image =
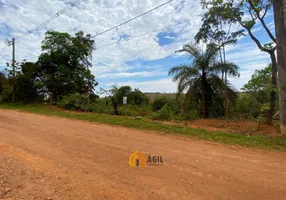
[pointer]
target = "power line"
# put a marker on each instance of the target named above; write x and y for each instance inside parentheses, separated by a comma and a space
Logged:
(183, 22)
(131, 38)
(114, 27)
(29, 58)
(3, 51)
(134, 37)
(129, 21)
(4, 58)
(66, 9)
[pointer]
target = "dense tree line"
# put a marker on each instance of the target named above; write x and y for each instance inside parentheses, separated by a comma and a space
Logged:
(63, 68)
(62, 75)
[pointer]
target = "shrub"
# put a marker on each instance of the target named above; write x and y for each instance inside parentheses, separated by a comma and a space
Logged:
(247, 107)
(159, 103)
(138, 98)
(145, 110)
(128, 110)
(190, 115)
(132, 110)
(175, 106)
(102, 106)
(165, 113)
(6, 95)
(75, 101)
(2, 81)
(107, 109)
(25, 90)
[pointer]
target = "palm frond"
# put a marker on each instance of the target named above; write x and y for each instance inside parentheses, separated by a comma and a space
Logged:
(219, 85)
(232, 69)
(192, 49)
(183, 72)
(178, 69)
(211, 53)
(216, 68)
(185, 83)
(228, 67)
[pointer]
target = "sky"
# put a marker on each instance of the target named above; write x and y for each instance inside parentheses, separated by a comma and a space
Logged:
(142, 62)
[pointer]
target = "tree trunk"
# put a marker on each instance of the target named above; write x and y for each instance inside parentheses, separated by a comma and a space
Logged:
(226, 98)
(51, 98)
(280, 27)
(270, 114)
(204, 95)
(187, 100)
(225, 79)
(115, 108)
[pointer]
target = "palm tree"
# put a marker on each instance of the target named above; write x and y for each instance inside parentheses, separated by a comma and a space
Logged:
(201, 79)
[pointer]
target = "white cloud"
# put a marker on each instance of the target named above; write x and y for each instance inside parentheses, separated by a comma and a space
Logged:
(132, 74)
(94, 16)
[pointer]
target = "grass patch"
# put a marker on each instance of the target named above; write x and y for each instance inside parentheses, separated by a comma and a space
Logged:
(263, 142)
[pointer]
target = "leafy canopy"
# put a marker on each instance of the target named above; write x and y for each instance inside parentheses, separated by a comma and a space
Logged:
(260, 80)
(65, 62)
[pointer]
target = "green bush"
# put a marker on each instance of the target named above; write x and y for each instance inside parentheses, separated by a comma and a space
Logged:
(159, 103)
(132, 110)
(190, 115)
(3, 79)
(145, 110)
(247, 107)
(164, 114)
(6, 95)
(175, 106)
(75, 101)
(128, 110)
(103, 105)
(138, 98)
(25, 90)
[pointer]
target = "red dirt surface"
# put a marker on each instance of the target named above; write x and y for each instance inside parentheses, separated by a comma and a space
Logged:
(60, 159)
(241, 127)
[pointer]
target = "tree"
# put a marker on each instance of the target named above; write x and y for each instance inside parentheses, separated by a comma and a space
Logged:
(25, 84)
(201, 78)
(117, 96)
(2, 81)
(217, 29)
(138, 98)
(64, 64)
(135, 97)
(280, 27)
(258, 91)
(260, 80)
(235, 11)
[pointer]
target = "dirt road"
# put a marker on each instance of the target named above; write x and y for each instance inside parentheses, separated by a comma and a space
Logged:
(54, 158)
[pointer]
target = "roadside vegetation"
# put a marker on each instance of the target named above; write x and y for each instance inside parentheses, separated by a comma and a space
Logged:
(62, 77)
(263, 142)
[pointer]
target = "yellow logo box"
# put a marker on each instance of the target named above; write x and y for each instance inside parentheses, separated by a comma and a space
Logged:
(140, 159)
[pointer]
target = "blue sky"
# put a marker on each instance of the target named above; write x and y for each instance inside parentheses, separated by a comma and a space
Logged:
(142, 62)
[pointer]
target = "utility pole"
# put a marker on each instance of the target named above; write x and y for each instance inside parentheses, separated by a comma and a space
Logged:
(13, 66)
